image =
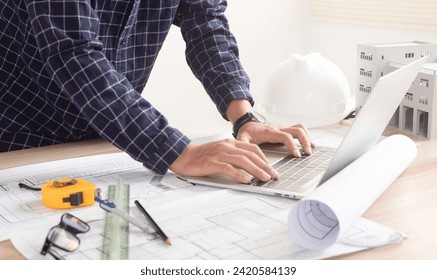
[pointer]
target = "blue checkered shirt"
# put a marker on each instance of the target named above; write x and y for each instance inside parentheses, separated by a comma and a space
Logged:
(73, 70)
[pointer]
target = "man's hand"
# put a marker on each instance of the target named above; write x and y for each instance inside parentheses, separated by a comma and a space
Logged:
(241, 158)
(228, 157)
(258, 133)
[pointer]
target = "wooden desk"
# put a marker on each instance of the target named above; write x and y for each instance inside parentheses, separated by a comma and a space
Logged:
(409, 204)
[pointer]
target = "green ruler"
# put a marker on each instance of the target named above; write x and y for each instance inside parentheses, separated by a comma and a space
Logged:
(116, 232)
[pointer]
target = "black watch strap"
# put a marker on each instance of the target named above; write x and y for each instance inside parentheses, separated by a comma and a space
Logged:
(248, 117)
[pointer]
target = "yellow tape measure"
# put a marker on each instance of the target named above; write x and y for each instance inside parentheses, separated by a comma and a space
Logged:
(68, 193)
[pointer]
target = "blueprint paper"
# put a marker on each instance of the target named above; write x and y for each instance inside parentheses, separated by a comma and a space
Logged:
(322, 218)
(221, 224)
(19, 205)
(202, 222)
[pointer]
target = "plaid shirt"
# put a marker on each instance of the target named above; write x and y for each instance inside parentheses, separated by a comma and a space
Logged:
(75, 69)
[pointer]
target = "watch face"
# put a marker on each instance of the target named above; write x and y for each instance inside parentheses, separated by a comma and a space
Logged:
(259, 117)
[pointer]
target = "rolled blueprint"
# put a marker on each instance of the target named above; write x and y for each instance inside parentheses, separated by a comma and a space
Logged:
(319, 220)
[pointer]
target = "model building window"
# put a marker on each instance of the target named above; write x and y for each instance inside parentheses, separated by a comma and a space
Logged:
(365, 89)
(424, 83)
(409, 96)
(366, 56)
(423, 100)
(367, 73)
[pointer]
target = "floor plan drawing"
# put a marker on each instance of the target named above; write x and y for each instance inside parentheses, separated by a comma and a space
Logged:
(202, 222)
(19, 204)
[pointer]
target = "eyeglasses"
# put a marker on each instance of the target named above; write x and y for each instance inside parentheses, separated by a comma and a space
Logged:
(64, 236)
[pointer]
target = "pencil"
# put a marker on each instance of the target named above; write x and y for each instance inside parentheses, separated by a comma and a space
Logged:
(153, 223)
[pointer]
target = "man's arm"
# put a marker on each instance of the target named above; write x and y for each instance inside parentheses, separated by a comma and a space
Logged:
(212, 54)
(66, 33)
(212, 51)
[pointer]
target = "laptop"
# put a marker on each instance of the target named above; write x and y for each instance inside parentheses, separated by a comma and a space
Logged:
(298, 177)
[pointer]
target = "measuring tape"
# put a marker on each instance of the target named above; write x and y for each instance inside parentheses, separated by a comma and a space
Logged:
(67, 193)
(116, 232)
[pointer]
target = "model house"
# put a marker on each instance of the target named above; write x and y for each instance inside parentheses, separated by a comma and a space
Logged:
(415, 113)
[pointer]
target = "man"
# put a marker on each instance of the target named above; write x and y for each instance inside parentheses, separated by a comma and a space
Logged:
(75, 69)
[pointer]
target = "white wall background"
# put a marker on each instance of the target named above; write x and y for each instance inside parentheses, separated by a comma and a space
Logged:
(267, 33)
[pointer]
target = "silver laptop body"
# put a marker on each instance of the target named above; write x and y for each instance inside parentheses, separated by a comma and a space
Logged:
(300, 176)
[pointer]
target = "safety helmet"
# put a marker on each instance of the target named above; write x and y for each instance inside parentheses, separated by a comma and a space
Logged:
(307, 89)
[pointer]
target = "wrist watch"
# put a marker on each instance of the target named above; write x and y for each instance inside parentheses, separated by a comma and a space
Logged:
(248, 117)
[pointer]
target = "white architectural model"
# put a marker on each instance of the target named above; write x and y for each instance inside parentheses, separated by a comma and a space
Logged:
(415, 113)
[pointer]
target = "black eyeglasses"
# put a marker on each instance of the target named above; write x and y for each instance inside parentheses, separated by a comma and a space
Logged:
(64, 236)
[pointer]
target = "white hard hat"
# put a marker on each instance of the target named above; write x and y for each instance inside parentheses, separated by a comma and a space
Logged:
(307, 89)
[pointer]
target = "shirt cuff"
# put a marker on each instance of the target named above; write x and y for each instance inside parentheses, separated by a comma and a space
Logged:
(234, 92)
(167, 152)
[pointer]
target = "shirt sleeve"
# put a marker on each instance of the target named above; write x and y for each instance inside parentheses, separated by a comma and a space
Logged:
(212, 52)
(72, 54)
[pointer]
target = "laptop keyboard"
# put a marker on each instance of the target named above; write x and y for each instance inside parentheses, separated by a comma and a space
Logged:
(299, 174)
